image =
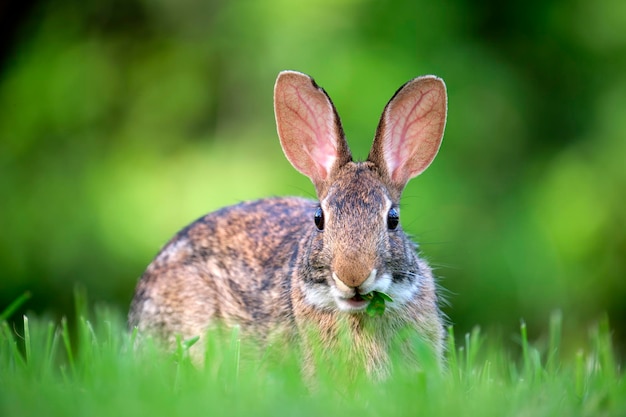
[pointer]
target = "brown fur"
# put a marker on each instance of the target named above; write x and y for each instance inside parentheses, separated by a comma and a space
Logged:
(265, 266)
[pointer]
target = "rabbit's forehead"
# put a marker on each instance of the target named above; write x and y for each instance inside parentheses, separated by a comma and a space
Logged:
(359, 194)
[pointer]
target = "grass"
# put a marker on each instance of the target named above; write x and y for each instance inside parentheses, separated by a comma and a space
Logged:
(90, 368)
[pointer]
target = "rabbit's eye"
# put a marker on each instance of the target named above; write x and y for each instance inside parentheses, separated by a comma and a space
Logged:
(393, 218)
(319, 218)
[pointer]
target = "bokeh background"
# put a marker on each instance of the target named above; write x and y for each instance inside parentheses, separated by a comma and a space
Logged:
(123, 120)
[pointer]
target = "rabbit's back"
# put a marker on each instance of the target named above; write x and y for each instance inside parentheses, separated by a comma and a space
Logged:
(232, 266)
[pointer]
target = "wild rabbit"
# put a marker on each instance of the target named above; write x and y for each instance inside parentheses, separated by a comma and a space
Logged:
(304, 268)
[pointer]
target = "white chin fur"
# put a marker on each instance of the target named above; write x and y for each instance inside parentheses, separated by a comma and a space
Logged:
(350, 307)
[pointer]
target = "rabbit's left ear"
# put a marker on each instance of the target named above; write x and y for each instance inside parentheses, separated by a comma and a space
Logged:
(309, 128)
(410, 130)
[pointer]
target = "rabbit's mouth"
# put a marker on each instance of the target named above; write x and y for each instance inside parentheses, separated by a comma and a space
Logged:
(357, 298)
(357, 302)
(350, 299)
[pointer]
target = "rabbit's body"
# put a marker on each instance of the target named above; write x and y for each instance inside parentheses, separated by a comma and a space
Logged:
(210, 271)
(296, 268)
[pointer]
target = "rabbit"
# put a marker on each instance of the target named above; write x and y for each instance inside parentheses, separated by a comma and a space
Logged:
(300, 268)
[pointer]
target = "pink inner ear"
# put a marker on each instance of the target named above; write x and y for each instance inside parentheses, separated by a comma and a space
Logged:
(414, 124)
(316, 130)
(306, 126)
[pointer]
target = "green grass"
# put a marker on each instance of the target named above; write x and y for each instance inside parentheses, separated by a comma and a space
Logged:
(90, 368)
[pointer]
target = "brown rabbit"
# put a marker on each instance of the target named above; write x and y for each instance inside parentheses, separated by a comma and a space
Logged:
(299, 267)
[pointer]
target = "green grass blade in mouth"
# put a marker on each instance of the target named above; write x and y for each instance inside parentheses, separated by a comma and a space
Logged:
(376, 306)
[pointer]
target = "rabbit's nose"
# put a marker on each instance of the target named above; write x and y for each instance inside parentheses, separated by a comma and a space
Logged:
(348, 279)
(352, 267)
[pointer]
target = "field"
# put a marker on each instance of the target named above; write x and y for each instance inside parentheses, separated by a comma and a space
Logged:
(90, 368)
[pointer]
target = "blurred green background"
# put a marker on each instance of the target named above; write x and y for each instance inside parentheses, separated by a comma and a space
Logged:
(122, 121)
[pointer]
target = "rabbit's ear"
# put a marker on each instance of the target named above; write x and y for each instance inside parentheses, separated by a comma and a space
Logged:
(410, 130)
(308, 126)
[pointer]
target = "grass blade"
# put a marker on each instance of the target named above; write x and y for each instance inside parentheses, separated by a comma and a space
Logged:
(552, 363)
(14, 351)
(65, 334)
(453, 361)
(579, 376)
(52, 341)
(27, 341)
(14, 306)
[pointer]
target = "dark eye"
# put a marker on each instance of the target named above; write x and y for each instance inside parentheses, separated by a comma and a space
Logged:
(319, 218)
(393, 218)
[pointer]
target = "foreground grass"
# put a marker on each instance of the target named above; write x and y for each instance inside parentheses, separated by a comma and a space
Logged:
(48, 369)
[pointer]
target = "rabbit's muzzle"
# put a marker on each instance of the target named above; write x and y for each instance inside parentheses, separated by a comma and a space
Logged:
(350, 297)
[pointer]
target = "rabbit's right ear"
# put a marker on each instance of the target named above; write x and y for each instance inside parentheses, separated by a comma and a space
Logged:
(410, 130)
(309, 128)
